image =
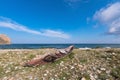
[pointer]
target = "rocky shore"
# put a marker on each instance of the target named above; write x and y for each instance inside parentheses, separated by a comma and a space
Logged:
(4, 39)
(89, 64)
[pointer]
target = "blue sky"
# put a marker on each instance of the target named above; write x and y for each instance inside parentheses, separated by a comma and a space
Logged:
(60, 21)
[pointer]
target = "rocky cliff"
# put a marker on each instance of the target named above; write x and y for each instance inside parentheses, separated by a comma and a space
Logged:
(4, 39)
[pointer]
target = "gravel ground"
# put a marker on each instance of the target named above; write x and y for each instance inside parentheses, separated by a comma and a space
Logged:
(90, 64)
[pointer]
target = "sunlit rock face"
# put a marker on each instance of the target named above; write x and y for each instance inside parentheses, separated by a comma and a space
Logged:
(4, 39)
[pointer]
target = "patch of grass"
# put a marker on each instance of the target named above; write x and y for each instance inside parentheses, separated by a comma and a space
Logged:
(64, 76)
(1, 71)
(86, 75)
(110, 51)
(71, 55)
(103, 76)
(66, 58)
(31, 56)
(83, 60)
(59, 61)
(116, 73)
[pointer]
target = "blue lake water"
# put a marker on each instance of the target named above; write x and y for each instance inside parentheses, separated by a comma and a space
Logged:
(38, 46)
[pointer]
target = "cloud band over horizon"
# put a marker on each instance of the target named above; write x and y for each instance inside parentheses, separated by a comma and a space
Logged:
(8, 23)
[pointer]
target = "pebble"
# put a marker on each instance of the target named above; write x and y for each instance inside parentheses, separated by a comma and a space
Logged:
(80, 66)
(47, 71)
(55, 75)
(5, 78)
(52, 79)
(108, 72)
(11, 78)
(75, 64)
(61, 64)
(102, 69)
(64, 78)
(113, 53)
(99, 71)
(72, 67)
(7, 71)
(92, 77)
(96, 76)
(94, 68)
(45, 74)
(30, 77)
(83, 78)
(16, 68)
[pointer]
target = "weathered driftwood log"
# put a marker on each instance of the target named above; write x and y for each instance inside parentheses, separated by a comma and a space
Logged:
(49, 57)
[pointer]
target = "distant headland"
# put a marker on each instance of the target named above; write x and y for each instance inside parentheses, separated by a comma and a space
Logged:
(4, 39)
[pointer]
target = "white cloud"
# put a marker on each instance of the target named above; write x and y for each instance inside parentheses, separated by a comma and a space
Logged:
(110, 17)
(72, 1)
(8, 23)
(75, 3)
(55, 34)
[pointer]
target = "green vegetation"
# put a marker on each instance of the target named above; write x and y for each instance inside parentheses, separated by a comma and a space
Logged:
(31, 56)
(116, 72)
(97, 64)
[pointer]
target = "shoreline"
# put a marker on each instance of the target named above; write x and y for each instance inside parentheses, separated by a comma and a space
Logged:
(52, 49)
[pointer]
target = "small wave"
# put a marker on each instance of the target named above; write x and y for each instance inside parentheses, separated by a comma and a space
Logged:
(86, 48)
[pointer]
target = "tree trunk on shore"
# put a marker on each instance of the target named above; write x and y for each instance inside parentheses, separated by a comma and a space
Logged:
(49, 57)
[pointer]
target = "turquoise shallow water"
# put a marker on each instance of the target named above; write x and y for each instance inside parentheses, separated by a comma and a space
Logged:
(37, 46)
